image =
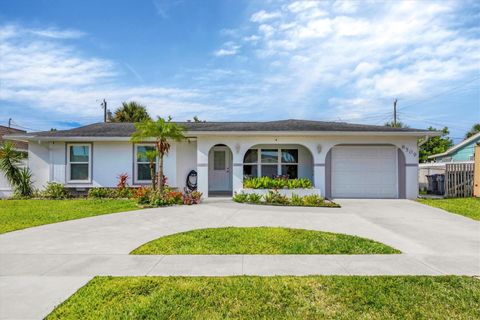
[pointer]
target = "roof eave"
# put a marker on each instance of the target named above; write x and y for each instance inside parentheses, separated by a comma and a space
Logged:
(418, 134)
(319, 133)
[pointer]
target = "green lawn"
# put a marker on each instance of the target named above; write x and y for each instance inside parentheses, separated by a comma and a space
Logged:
(468, 207)
(261, 240)
(313, 297)
(21, 214)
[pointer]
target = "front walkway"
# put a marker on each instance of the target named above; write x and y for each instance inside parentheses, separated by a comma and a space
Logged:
(42, 266)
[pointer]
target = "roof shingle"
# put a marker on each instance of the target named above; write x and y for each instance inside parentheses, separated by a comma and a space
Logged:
(102, 129)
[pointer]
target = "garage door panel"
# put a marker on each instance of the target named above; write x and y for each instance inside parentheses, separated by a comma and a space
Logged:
(364, 172)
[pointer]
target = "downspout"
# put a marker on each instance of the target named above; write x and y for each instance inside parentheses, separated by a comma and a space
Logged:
(51, 165)
(423, 141)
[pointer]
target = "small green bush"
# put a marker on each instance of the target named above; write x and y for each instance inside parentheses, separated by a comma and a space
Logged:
(99, 193)
(296, 200)
(193, 197)
(240, 197)
(274, 197)
(313, 200)
(123, 193)
(142, 195)
(55, 191)
(168, 197)
(159, 200)
(277, 183)
(254, 198)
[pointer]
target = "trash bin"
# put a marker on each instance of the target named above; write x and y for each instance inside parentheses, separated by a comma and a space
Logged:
(432, 187)
(440, 184)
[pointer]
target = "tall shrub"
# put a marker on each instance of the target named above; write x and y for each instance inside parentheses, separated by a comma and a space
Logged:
(23, 188)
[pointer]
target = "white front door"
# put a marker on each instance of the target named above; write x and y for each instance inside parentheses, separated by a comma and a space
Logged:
(219, 169)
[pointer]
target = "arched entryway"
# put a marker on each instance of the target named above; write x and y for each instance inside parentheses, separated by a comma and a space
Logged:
(220, 171)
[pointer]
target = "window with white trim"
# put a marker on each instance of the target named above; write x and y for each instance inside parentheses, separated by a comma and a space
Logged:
(142, 164)
(270, 162)
(79, 160)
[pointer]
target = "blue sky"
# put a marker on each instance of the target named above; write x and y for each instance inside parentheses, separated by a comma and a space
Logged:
(241, 60)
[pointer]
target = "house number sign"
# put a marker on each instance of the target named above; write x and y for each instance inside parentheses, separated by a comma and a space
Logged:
(409, 150)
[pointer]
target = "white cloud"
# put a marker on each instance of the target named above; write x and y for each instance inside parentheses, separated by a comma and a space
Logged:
(395, 49)
(266, 30)
(262, 16)
(225, 52)
(162, 7)
(347, 26)
(252, 38)
(55, 79)
(57, 34)
(299, 6)
(364, 68)
(230, 48)
(345, 6)
(314, 29)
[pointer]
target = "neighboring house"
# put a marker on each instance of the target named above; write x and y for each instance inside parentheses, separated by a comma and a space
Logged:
(5, 188)
(463, 151)
(343, 160)
(19, 145)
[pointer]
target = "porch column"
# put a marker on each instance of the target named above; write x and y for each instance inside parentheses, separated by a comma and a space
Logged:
(202, 168)
(237, 176)
(319, 177)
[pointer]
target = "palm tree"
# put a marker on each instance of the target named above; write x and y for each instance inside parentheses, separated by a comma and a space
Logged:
(399, 124)
(10, 160)
(131, 112)
(474, 130)
(10, 164)
(163, 131)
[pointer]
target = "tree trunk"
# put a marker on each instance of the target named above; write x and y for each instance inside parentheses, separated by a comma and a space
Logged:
(160, 174)
(152, 174)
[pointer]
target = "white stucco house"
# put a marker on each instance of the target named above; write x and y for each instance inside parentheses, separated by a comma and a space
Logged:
(342, 160)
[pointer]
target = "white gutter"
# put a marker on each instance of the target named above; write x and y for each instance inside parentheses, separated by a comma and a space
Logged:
(421, 143)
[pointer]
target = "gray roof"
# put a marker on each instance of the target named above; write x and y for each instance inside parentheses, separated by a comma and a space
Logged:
(112, 129)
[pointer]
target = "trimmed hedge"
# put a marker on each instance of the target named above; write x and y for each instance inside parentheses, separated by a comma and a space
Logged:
(275, 198)
(277, 183)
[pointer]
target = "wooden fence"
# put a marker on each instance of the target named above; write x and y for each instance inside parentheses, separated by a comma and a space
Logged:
(459, 180)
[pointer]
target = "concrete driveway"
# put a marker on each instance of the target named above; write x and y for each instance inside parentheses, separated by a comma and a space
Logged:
(42, 266)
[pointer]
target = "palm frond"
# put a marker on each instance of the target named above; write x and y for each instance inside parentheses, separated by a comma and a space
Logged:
(10, 161)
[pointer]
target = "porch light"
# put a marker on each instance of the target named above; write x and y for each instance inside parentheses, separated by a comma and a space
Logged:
(237, 147)
(319, 148)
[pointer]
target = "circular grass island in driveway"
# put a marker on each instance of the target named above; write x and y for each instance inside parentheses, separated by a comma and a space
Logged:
(261, 240)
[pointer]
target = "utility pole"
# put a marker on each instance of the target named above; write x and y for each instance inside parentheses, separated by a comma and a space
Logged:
(395, 113)
(104, 105)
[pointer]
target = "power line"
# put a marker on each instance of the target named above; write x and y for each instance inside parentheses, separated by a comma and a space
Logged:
(437, 123)
(440, 94)
(370, 117)
(12, 122)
